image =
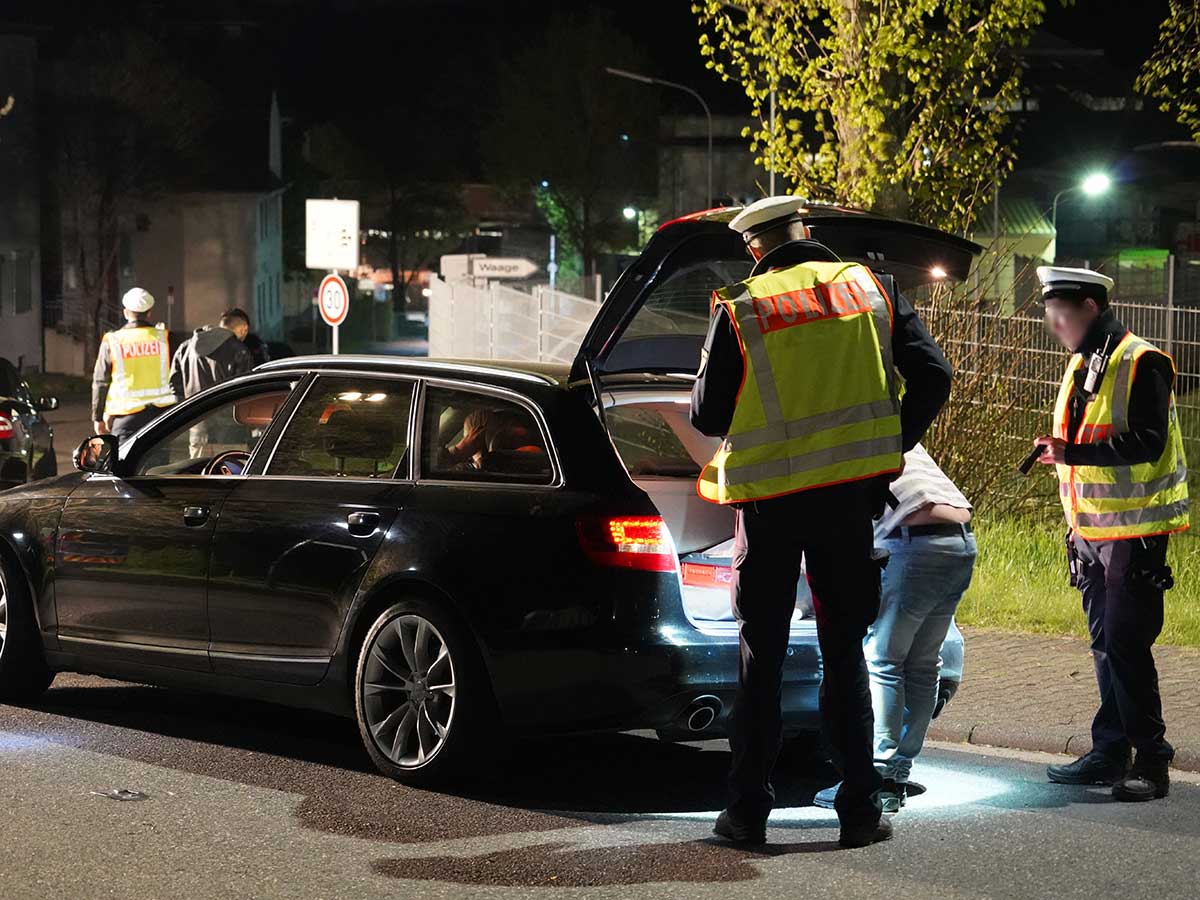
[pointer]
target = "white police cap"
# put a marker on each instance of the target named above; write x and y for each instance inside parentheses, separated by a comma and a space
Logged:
(764, 213)
(1065, 280)
(137, 300)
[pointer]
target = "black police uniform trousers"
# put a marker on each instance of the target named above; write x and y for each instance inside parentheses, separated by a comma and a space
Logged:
(1124, 610)
(831, 528)
(124, 426)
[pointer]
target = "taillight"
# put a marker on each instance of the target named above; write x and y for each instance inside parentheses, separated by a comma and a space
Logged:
(630, 542)
(6, 429)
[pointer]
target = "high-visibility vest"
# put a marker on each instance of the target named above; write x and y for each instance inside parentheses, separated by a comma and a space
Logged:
(818, 403)
(141, 370)
(1105, 503)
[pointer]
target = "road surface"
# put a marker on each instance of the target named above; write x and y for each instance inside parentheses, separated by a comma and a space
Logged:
(247, 799)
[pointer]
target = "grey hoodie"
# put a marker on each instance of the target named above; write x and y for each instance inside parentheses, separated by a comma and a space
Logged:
(212, 355)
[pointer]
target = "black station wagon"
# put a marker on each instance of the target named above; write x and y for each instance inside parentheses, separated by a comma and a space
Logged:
(440, 549)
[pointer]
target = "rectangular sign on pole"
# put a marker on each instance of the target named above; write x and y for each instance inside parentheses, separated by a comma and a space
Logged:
(331, 234)
(502, 267)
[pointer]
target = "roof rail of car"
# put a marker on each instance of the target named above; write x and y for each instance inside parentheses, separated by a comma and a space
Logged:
(478, 367)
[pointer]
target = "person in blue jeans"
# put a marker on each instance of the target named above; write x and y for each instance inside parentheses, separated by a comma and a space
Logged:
(931, 555)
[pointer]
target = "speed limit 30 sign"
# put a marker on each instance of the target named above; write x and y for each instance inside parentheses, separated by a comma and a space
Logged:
(333, 300)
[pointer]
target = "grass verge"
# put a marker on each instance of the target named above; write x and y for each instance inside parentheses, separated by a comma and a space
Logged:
(1020, 583)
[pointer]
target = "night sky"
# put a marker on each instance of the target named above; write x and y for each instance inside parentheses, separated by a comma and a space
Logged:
(397, 71)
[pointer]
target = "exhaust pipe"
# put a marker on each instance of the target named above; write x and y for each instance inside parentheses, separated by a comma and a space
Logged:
(701, 713)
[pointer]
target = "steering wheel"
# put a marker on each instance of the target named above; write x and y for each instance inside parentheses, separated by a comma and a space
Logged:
(231, 462)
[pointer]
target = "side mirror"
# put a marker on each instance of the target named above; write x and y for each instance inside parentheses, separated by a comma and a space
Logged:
(47, 404)
(97, 454)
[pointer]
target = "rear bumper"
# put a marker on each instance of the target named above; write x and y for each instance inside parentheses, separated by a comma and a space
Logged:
(656, 682)
(649, 684)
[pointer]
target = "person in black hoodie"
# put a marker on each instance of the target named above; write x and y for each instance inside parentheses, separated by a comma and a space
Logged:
(213, 354)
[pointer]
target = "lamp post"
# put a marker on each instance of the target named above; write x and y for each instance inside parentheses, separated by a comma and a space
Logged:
(1093, 185)
(647, 79)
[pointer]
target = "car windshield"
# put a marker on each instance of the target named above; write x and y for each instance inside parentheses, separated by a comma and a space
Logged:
(10, 381)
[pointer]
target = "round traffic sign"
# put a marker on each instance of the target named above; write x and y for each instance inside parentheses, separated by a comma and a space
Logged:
(333, 300)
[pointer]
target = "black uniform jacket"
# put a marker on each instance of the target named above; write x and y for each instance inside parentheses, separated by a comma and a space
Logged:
(1149, 404)
(916, 355)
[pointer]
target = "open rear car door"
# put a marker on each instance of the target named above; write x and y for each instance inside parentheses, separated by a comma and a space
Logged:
(654, 319)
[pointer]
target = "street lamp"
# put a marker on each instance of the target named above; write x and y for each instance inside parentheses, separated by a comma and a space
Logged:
(1093, 185)
(647, 79)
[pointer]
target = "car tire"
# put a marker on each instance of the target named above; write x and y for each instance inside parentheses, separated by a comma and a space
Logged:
(24, 675)
(422, 696)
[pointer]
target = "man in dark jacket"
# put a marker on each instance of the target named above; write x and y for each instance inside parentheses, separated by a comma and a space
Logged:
(213, 354)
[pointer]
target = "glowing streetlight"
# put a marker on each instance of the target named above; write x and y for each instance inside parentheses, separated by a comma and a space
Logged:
(1093, 185)
(629, 213)
(1096, 184)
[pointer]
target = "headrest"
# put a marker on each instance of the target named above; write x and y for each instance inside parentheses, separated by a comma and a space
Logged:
(359, 434)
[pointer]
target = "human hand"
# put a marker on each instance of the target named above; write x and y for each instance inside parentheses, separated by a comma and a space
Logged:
(1054, 450)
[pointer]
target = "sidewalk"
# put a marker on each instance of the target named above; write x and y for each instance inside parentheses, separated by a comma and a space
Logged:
(72, 422)
(1033, 692)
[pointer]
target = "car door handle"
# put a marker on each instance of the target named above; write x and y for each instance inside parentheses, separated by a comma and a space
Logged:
(362, 524)
(195, 516)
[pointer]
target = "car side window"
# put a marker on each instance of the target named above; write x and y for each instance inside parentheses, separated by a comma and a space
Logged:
(347, 427)
(468, 436)
(218, 441)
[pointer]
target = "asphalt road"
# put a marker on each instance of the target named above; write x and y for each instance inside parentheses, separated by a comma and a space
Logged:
(251, 800)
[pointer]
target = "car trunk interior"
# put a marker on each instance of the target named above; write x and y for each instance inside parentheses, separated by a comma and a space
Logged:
(663, 454)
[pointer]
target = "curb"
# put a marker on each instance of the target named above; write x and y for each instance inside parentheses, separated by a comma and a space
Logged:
(1059, 739)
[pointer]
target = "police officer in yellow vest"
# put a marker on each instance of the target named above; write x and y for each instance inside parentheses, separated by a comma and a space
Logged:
(1122, 477)
(797, 377)
(131, 381)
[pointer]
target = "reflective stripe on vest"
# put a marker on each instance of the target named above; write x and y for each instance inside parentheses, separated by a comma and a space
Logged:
(1118, 502)
(813, 409)
(141, 363)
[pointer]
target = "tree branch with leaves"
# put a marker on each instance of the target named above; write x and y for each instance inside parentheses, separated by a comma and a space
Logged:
(1172, 73)
(903, 108)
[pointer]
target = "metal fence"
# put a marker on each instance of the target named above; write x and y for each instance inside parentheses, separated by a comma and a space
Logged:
(1009, 367)
(497, 322)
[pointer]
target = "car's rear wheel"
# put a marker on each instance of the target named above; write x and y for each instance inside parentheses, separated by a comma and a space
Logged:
(24, 675)
(421, 694)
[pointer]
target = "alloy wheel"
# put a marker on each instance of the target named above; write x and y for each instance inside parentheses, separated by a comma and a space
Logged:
(3, 614)
(408, 690)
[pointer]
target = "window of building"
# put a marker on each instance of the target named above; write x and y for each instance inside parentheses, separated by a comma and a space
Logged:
(23, 284)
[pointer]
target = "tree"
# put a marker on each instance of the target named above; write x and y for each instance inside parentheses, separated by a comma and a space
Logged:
(581, 139)
(124, 119)
(411, 208)
(1172, 73)
(899, 107)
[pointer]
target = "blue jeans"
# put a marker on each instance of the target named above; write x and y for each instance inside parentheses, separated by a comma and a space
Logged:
(922, 584)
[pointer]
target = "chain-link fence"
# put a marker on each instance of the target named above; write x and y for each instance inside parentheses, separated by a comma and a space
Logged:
(1008, 369)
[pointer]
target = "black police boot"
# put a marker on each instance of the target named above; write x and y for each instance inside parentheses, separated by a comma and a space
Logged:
(1148, 780)
(1091, 768)
(865, 835)
(748, 833)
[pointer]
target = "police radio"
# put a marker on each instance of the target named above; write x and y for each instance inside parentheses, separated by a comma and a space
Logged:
(1096, 366)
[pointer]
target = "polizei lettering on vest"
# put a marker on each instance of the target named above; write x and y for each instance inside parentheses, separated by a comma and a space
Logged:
(824, 301)
(136, 349)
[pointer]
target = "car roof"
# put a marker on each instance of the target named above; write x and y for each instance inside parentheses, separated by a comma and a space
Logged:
(551, 374)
